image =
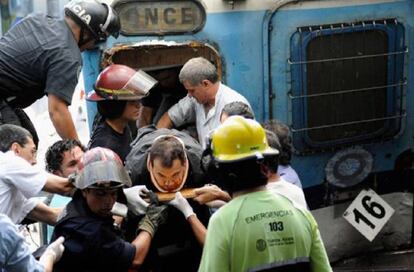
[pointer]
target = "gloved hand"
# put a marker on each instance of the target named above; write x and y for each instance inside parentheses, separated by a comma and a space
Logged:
(54, 250)
(180, 203)
(152, 197)
(135, 202)
(155, 217)
(119, 209)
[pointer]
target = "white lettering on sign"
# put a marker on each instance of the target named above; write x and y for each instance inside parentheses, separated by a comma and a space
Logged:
(368, 213)
(81, 12)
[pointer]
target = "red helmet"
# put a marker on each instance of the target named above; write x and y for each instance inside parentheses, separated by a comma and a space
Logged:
(120, 82)
(101, 168)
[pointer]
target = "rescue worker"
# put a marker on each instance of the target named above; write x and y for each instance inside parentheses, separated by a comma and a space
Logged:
(42, 56)
(21, 181)
(91, 241)
(63, 157)
(257, 230)
(205, 100)
(118, 90)
(167, 161)
(15, 254)
(212, 195)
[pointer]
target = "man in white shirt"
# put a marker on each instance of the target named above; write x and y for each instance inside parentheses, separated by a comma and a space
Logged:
(205, 100)
(20, 180)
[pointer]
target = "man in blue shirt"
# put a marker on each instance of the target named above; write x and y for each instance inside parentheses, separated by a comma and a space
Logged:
(15, 255)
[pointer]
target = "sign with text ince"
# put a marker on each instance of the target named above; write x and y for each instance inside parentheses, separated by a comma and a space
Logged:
(160, 17)
(368, 213)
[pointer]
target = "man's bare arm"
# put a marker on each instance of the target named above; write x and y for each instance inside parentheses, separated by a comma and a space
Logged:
(58, 185)
(61, 118)
(43, 213)
(165, 121)
(210, 193)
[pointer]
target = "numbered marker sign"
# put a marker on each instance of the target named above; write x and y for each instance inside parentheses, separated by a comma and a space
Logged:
(368, 213)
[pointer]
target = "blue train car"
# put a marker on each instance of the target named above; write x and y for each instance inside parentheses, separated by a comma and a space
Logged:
(338, 72)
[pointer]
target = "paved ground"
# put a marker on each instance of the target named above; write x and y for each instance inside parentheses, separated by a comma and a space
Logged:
(402, 260)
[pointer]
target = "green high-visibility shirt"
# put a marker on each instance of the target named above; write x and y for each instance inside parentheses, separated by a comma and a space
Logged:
(262, 230)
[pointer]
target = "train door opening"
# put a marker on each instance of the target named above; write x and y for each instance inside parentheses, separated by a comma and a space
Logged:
(163, 61)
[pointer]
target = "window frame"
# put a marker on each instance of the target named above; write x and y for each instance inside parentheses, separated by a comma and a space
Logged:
(300, 41)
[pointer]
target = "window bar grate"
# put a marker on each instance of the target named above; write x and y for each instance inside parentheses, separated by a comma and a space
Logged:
(346, 91)
(349, 123)
(348, 58)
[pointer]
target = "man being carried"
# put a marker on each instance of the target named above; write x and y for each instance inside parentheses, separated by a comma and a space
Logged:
(167, 161)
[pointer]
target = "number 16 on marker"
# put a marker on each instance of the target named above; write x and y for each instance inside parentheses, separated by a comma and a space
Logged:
(368, 213)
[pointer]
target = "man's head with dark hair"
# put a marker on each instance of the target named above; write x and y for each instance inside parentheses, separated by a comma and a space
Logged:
(167, 149)
(10, 134)
(272, 162)
(63, 156)
(236, 108)
(240, 175)
(283, 134)
(168, 163)
(19, 140)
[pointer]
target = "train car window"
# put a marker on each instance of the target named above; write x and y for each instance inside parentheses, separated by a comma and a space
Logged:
(347, 84)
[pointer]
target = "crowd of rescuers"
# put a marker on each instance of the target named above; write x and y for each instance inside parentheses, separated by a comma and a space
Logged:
(163, 160)
(87, 222)
(162, 201)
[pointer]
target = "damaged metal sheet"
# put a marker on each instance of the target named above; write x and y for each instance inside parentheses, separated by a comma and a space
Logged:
(153, 55)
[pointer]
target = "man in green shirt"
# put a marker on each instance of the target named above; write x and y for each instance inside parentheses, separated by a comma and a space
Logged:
(257, 230)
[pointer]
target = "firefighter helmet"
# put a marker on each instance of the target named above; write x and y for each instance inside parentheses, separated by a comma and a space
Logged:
(120, 82)
(101, 168)
(239, 138)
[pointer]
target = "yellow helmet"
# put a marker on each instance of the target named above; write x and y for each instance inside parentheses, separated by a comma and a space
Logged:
(239, 138)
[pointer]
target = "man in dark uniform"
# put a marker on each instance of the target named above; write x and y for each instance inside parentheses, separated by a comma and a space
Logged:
(167, 92)
(41, 56)
(92, 243)
(167, 160)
